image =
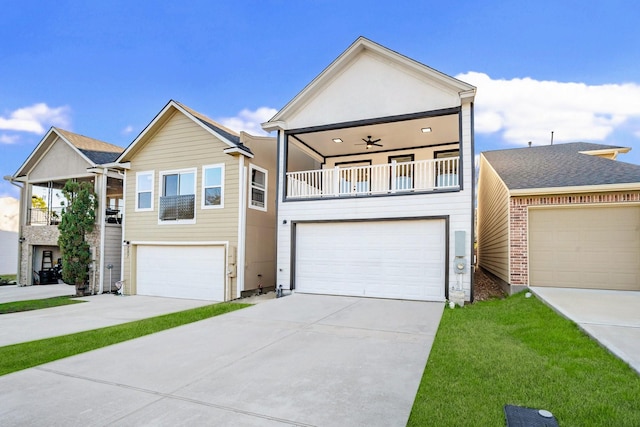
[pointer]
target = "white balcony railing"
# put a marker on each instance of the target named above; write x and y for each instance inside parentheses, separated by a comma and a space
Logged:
(391, 178)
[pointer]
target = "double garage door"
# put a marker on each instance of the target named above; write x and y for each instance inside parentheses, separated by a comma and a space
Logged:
(193, 272)
(402, 259)
(585, 247)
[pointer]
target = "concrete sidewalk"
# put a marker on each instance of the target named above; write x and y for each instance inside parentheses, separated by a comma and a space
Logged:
(300, 360)
(610, 317)
(98, 311)
(12, 293)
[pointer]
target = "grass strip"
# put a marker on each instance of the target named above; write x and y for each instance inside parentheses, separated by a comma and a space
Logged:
(37, 304)
(27, 355)
(518, 351)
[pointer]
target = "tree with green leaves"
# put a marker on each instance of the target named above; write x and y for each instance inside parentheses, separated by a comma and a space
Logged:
(78, 220)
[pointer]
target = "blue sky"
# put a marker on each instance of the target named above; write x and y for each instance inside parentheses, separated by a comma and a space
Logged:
(105, 69)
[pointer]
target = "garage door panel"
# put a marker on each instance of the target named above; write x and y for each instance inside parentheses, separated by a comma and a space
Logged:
(193, 272)
(387, 259)
(586, 247)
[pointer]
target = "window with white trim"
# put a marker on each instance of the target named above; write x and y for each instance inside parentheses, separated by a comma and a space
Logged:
(213, 186)
(177, 202)
(144, 191)
(258, 188)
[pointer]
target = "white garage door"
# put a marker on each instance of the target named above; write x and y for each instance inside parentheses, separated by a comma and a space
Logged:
(585, 247)
(385, 259)
(194, 272)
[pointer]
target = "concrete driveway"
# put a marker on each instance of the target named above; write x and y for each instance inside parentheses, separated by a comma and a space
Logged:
(299, 360)
(610, 317)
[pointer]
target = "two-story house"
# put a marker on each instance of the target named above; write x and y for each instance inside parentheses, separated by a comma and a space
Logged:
(375, 181)
(61, 156)
(199, 209)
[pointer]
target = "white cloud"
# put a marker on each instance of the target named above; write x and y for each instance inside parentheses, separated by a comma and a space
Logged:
(127, 130)
(36, 118)
(525, 109)
(249, 121)
(8, 139)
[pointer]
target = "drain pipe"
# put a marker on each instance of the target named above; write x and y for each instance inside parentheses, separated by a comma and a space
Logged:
(22, 211)
(103, 220)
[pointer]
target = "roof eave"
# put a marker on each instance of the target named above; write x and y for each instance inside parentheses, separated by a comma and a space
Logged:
(236, 150)
(465, 90)
(601, 188)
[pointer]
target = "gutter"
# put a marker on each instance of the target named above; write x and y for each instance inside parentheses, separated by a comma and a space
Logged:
(575, 189)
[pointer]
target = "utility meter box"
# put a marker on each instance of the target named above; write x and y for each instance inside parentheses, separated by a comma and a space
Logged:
(460, 265)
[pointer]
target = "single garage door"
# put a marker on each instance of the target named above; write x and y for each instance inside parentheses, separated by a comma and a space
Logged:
(194, 272)
(585, 247)
(385, 259)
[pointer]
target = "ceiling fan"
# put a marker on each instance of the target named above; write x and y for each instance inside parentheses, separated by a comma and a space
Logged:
(370, 143)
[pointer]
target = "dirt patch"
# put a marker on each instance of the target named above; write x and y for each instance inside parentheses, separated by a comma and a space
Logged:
(485, 286)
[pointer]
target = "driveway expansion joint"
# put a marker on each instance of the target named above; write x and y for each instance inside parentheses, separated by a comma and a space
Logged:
(162, 395)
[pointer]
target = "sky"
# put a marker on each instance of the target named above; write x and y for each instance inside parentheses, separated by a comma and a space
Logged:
(104, 69)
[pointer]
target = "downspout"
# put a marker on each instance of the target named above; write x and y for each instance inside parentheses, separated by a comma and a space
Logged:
(103, 220)
(123, 225)
(242, 226)
(21, 222)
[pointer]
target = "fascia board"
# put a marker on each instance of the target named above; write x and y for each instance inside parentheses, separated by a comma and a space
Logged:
(575, 189)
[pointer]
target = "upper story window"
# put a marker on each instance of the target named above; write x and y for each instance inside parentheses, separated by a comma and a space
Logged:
(213, 186)
(144, 191)
(258, 187)
(177, 202)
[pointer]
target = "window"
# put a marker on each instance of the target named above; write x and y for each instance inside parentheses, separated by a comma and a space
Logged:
(177, 202)
(213, 186)
(258, 187)
(144, 191)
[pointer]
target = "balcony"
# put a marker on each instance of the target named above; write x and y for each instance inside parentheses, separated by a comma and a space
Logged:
(382, 179)
(175, 208)
(44, 216)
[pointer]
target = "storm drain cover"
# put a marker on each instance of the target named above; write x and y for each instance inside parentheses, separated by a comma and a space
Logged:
(519, 416)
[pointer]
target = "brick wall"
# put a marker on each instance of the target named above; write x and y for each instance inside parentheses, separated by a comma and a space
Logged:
(518, 225)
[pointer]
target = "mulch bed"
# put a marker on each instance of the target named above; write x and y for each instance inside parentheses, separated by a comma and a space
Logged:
(485, 287)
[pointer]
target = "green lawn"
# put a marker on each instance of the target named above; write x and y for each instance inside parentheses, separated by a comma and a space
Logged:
(37, 304)
(518, 351)
(22, 356)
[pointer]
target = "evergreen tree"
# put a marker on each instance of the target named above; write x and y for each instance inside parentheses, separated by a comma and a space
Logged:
(78, 220)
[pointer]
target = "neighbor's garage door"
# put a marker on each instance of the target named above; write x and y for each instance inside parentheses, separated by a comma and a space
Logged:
(585, 247)
(195, 272)
(386, 259)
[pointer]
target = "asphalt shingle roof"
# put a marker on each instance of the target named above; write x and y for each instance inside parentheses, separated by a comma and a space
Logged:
(99, 152)
(560, 165)
(226, 133)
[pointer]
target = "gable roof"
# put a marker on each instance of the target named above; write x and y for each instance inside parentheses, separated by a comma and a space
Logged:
(465, 90)
(560, 165)
(226, 135)
(93, 151)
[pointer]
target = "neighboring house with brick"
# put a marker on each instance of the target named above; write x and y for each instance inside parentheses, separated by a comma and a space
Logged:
(61, 156)
(199, 209)
(564, 215)
(376, 179)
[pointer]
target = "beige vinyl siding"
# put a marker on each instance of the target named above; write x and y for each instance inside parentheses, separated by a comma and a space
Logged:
(112, 251)
(493, 222)
(60, 161)
(261, 226)
(181, 143)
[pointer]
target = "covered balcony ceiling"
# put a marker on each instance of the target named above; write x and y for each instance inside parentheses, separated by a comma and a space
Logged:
(397, 135)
